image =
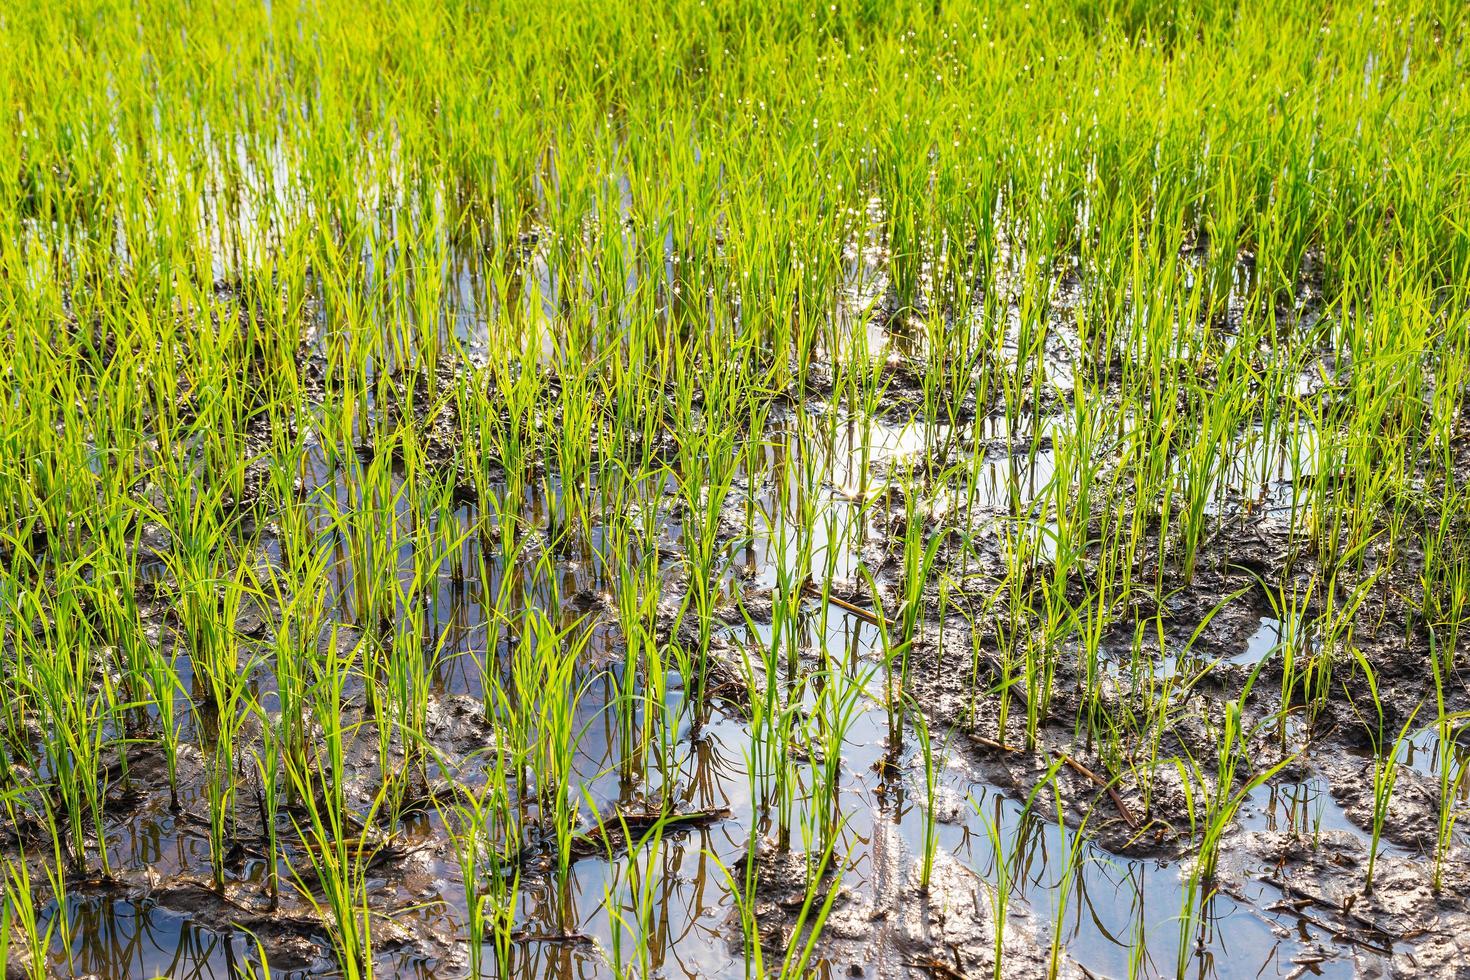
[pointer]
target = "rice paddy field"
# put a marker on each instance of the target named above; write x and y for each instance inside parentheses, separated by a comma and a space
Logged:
(734, 488)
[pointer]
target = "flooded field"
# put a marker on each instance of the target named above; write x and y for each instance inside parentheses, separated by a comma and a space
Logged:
(733, 490)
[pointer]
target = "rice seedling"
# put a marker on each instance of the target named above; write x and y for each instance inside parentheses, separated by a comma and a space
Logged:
(471, 825)
(1213, 806)
(823, 885)
(743, 894)
(931, 820)
(1450, 776)
(22, 924)
(222, 785)
(1385, 758)
(1072, 866)
(54, 643)
(338, 863)
(637, 917)
(1000, 891)
(838, 697)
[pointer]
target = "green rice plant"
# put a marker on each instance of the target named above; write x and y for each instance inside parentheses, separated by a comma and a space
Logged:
(338, 861)
(1290, 609)
(298, 592)
(499, 909)
(399, 703)
(893, 653)
(930, 818)
(1010, 673)
(1002, 889)
(268, 770)
(484, 829)
(21, 926)
(1197, 895)
(919, 556)
(837, 700)
(772, 724)
(161, 680)
(57, 877)
(336, 842)
(706, 471)
(5, 917)
(226, 720)
(636, 594)
(54, 646)
(469, 824)
(208, 597)
(1450, 777)
(536, 723)
(1213, 799)
(637, 917)
(1072, 865)
(1201, 471)
(497, 619)
(822, 888)
(1386, 748)
(744, 896)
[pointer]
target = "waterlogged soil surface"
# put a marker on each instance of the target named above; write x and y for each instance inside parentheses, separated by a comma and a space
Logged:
(1106, 876)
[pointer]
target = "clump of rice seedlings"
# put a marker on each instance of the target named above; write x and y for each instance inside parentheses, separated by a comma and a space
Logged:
(338, 863)
(932, 766)
(472, 822)
(54, 645)
(557, 735)
(1212, 799)
(825, 871)
(337, 842)
(918, 560)
(270, 782)
(645, 720)
(225, 723)
(636, 917)
(774, 717)
(1073, 863)
(824, 885)
(21, 926)
(161, 681)
(498, 619)
(1450, 776)
(1298, 646)
(1386, 748)
(1006, 863)
(1194, 915)
(837, 696)
(743, 894)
